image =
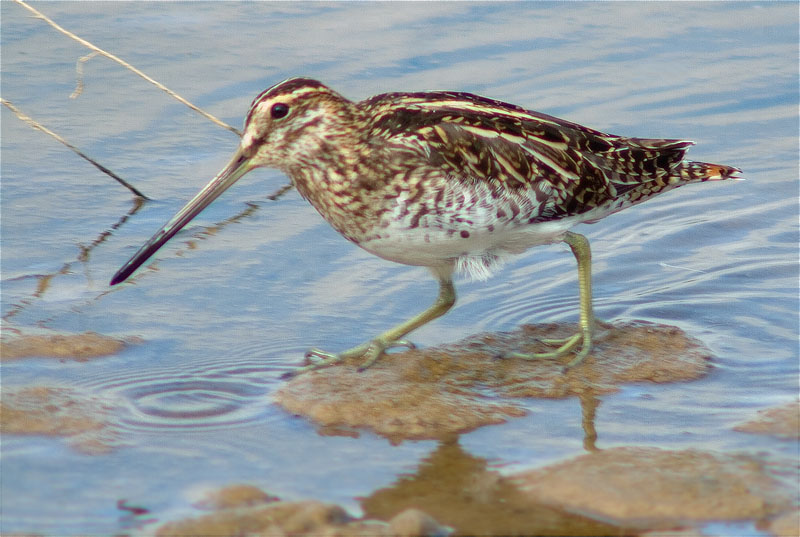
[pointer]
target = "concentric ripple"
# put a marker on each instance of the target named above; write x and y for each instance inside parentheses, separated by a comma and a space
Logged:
(191, 402)
(212, 393)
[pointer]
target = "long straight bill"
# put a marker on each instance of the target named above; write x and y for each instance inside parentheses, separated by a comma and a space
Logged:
(236, 168)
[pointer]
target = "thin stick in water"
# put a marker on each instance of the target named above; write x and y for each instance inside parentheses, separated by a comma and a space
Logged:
(125, 64)
(45, 130)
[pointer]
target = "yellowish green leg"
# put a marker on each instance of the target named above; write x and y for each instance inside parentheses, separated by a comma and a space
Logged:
(372, 350)
(583, 254)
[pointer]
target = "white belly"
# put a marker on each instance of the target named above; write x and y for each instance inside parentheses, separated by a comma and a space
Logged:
(469, 228)
(475, 250)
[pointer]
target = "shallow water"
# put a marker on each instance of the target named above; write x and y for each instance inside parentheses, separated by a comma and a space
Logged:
(225, 313)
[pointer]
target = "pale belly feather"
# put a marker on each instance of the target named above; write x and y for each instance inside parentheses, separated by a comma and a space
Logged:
(475, 248)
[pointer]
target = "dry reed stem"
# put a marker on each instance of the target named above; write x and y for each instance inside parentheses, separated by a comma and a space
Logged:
(128, 66)
(39, 126)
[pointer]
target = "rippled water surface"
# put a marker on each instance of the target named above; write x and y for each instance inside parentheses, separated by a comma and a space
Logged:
(232, 303)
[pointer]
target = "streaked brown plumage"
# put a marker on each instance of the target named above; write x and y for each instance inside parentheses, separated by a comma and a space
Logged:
(447, 180)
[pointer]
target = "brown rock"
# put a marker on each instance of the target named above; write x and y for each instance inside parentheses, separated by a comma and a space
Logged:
(786, 524)
(311, 516)
(78, 347)
(782, 421)
(263, 519)
(235, 496)
(682, 532)
(58, 411)
(394, 407)
(437, 392)
(412, 522)
(650, 487)
(280, 519)
(462, 492)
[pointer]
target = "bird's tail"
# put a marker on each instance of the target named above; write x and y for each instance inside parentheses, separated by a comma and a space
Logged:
(691, 172)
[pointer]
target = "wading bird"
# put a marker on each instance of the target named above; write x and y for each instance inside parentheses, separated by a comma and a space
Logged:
(451, 181)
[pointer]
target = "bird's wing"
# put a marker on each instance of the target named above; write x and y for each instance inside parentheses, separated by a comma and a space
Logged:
(569, 167)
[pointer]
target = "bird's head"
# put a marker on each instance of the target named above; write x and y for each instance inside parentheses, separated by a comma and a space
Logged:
(295, 122)
(288, 125)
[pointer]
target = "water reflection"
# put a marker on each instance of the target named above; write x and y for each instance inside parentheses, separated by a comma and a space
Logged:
(44, 281)
(449, 478)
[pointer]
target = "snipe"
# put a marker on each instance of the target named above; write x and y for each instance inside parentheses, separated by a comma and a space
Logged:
(446, 180)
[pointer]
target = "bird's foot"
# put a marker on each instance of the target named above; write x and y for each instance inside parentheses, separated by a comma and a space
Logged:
(369, 350)
(581, 341)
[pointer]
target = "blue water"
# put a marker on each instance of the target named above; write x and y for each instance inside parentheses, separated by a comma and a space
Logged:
(225, 314)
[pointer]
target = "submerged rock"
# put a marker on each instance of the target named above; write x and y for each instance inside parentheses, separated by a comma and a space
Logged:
(262, 514)
(437, 392)
(782, 421)
(78, 347)
(786, 524)
(464, 492)
(234, 496)
(412, 522)
(57, 411)
(651, 487)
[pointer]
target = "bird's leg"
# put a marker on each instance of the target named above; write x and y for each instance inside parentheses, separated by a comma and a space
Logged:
(583, 254)
(372, 350)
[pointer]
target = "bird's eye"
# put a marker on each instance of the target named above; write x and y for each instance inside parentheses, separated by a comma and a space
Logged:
(279, 110)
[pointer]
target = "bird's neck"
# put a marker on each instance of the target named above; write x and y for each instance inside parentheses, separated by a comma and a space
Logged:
(333, 180)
